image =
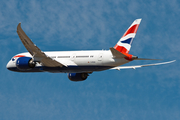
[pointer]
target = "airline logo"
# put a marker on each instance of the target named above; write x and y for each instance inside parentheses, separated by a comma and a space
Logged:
(124, 44)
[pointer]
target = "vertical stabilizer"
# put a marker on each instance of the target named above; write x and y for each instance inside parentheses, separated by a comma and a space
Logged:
(124, 44)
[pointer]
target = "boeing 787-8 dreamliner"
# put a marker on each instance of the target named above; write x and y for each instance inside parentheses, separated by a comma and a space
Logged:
(78, 64)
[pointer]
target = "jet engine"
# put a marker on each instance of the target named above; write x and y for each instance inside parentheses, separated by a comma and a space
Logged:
(25, 63)
(77, 76)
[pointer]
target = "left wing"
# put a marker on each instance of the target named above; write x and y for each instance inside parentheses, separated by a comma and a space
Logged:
(139, 66)
(38, 55)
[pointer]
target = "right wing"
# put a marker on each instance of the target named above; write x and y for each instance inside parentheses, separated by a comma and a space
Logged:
(139, 66)
(37, 54)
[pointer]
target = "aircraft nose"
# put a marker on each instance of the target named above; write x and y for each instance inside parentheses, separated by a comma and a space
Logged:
(10, 65)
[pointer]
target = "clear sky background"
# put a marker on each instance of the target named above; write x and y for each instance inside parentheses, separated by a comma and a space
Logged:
(149, 93)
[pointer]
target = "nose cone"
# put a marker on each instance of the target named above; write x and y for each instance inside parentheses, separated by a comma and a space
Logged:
(11, 66)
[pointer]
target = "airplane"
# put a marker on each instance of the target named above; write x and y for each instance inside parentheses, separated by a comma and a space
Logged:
(77, 64)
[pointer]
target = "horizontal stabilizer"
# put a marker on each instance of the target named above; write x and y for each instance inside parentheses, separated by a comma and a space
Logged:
(116, 54)
(139, 66)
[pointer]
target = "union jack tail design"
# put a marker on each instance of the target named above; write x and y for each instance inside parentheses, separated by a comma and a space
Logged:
(124, 44)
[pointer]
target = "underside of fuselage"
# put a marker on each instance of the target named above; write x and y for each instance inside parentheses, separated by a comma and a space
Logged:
(69, 69)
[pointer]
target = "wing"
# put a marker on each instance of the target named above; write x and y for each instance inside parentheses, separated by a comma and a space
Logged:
(37, 54)
(139, 66)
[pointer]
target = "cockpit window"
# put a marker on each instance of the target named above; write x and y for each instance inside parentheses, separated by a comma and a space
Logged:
(13, 59)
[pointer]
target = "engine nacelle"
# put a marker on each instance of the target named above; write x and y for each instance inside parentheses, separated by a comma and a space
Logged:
(77, 76)
(25, 63)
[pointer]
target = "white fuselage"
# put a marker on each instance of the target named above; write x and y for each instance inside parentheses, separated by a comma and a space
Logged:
(75, 61)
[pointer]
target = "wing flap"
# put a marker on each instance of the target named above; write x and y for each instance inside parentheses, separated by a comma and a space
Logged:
(37, 54)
